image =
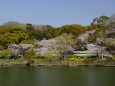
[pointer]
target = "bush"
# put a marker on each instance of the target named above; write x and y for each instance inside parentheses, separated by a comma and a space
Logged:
(83, 59)
(49, 58)
(27, 42)
(36, 45)
(91, 59)
(40, 57)
(5, 53)
(92, 39)
(70, 56)
(72, 59)
(30, 54)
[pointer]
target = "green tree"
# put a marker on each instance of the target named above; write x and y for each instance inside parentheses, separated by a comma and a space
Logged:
(13, 23)
(21, 32)
(105, 20)
(30, 54)
(8, 38)
(65, 44)
(27, 42)
(5, 53)
(30, 27)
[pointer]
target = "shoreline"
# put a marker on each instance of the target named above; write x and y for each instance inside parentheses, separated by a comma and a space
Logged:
(76, 65)
(80, 65)
(62, 64)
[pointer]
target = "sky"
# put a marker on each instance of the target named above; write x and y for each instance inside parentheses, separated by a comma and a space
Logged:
(55, 12)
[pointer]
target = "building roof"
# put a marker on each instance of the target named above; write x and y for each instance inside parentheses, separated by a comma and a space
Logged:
(84, 55)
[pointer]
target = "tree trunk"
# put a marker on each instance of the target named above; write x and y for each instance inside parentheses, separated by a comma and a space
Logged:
(28, 63)
(97, 56)
(67, 61)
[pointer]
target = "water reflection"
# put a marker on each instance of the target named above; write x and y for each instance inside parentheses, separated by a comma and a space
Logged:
(57, 76)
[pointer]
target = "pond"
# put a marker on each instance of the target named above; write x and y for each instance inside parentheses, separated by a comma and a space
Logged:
(57, 76)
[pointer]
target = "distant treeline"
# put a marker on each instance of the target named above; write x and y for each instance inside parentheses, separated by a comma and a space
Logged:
(15, 32)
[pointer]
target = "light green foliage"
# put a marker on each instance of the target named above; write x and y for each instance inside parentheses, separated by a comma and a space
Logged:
(13, 23)
(65, 44)
(27, 42)
(13, 35)
(8, 38)
(5, 53)
(69, 39)
(23, 33)
(70, 56)
(30, 54)
(13, 29)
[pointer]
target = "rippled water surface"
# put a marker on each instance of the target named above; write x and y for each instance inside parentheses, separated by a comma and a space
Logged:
(57, 76)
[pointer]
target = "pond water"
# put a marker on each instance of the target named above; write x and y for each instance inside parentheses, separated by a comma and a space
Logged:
(57, 76)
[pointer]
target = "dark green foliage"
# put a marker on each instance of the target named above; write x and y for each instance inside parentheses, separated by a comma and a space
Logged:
(111, 49)
(30, 27)
(110, 46)
(69, 56)
(111, 35)
(51, 32)
(41, 57)
(102, 20)
(91, 39)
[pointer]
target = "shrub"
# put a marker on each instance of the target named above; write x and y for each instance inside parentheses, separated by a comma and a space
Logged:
(70, 56)
(79, 57)
(40, 57)
(30, 54)
(49, 58)
(72, 59)
(5, 53)
(27, 42)
(36, 45)
(83, 59)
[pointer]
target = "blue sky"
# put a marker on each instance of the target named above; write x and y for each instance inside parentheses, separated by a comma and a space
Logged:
(55, 12)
